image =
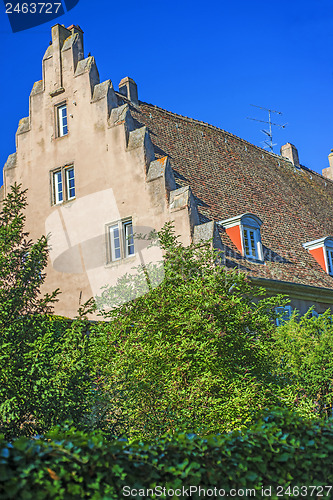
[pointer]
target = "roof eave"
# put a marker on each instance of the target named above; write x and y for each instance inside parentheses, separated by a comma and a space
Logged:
(296, 290)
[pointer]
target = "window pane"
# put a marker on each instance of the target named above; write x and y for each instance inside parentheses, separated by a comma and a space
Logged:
(115, 242)
(129, 240)
(329, 254)
(246, 243)
(250, 246)
(253, 245)
(70, 183)
(284, 313)
(58, 191)
(62, 120)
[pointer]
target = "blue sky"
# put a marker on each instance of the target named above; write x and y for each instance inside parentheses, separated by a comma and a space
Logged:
(207, 60)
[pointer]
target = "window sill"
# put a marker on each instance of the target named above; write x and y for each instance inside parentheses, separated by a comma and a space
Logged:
(57, 91)
(119, 262)
(60, 137)
(66, 202)
(254, 260)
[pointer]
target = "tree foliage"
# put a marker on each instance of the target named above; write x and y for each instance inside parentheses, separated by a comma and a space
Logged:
(21, 264)
(44, 377)
(303, 348)
(195, 352)
(198, 352)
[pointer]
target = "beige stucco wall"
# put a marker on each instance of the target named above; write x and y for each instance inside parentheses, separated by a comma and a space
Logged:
(116, 175)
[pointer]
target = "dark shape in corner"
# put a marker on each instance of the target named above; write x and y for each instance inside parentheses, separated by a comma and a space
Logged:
(34, 14)
(70, 4)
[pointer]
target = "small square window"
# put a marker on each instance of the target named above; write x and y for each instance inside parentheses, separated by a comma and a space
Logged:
(62, 126)
(121, 240)
(63, 185)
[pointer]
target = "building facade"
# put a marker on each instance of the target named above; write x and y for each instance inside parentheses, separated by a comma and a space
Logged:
(102, 167)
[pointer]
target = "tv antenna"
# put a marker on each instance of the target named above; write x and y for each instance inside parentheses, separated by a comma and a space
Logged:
(269, 143)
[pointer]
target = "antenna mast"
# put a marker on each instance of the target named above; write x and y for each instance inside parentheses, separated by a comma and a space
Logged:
(269, 143)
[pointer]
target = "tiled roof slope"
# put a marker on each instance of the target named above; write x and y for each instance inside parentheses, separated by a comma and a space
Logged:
(229, 176)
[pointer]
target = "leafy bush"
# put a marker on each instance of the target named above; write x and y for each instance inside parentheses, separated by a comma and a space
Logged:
(194, 353)
(21, 264)
(44, 376)
(304, 351)
(199, 352)
(281, 450)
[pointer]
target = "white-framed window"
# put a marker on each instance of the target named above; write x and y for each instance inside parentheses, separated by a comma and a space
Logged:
(63, 185)
(250, 243)
(62, 126)
(284, 314)
(115, 242)
(58, 193)
(244, 231)
(121, 240)
(251, 239)
(128, 238)
(70, 183)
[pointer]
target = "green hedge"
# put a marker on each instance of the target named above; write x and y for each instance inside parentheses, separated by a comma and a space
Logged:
(279, 451)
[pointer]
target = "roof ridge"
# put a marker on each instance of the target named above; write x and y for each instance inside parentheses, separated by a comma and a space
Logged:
(214, 127)
(209, 125)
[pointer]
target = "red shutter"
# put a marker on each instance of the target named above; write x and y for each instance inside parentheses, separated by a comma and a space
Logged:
(235, 236)
(318, 254)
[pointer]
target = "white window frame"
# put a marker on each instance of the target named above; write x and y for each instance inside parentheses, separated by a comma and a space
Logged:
(56, 182)
(247, 223)
(328, 254)
(64, 182)
(286, 311)
(128, 238)
(69, 188)
(250, 224)
(62, 129)
(247, 231)
(115, 242)
(120, 241)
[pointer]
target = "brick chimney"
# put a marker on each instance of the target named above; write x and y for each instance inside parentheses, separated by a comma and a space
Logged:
(328, 172)
(290, 152)
(128, 88)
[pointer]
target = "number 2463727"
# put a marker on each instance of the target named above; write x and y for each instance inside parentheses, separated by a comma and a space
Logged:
(33, 8)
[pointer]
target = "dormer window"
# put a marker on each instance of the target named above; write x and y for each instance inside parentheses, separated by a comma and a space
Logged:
(322, 251)
(250, 237)
(244, 232)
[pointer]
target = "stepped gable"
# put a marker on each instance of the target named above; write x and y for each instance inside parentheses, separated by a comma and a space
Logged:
(229, 176)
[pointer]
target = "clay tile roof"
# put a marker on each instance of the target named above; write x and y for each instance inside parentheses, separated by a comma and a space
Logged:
(229, 176)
